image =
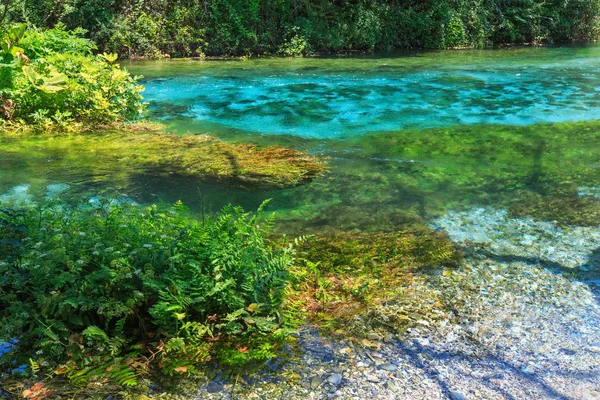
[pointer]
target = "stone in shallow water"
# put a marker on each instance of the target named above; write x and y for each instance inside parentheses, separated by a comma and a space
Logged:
(214, 387)
(335, 379)
(388, 367)
(315, 382)
(456, 395)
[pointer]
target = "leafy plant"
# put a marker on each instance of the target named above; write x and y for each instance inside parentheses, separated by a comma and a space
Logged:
(53, 74)
(109, 290)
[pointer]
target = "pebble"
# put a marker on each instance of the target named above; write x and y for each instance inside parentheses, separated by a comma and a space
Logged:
(316, 381)
(214, 387)
(388, 367)
(456, 395)
(335, 379)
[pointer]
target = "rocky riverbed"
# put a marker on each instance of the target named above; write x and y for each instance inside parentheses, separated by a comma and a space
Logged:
(520, 321)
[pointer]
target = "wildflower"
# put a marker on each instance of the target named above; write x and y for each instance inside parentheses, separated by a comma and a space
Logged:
(39, 352)
(148, 245)
(81, 233)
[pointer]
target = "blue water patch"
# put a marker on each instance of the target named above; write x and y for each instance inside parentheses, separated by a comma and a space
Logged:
(333, 103)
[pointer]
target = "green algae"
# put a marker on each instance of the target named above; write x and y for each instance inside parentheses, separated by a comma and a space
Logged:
(346, 276)
(123, 154)
(389, 180)
(569, 210)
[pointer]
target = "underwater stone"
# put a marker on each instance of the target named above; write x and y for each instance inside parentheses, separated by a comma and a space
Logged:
(388, 367)
(214, 387)
(335, 379)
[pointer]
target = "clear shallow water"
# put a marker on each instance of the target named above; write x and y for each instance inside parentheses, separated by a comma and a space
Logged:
(329, 98)
(477, 140)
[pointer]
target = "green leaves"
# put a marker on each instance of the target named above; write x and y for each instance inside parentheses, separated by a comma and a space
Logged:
(111, 58)
(96, 334)
(87, 277)
(9, 41)
(53, 83)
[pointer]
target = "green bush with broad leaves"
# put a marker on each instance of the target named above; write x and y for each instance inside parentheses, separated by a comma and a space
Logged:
(108, 291)
(51, 79)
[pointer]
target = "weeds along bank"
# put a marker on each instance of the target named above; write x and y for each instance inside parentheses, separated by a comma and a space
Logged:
(183, 28)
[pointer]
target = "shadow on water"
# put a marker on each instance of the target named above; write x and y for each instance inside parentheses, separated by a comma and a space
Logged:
(500, 367)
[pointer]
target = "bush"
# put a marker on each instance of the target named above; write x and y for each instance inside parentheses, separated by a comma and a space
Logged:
(234, 27)
(108, 290)
(52, 79)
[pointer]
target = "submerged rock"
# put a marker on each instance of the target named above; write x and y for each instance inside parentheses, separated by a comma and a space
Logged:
(335, 379)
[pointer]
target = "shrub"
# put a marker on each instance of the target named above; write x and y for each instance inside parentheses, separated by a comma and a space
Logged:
(52, 79)
(108, 290)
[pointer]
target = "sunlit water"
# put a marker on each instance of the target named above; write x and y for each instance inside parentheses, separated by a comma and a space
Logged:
(340, 97)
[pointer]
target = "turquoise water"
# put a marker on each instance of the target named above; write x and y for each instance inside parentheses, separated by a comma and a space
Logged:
(407, 136)
(329, 98)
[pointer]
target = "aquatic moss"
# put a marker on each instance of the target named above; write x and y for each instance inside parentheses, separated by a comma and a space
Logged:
(570, 210)
(388, 180)
(202, 157)
(348, 277)
(383, 252)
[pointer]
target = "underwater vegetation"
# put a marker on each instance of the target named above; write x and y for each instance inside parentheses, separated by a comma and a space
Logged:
(390, 180)
(200, 157)
(343, 278)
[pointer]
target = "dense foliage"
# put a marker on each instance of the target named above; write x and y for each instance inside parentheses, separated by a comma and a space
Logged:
(109, 290)
(51, 78)
(290, 27)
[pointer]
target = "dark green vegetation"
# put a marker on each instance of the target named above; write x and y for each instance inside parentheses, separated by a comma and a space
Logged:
(108, 291)
(182, 28)
(51, 80)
